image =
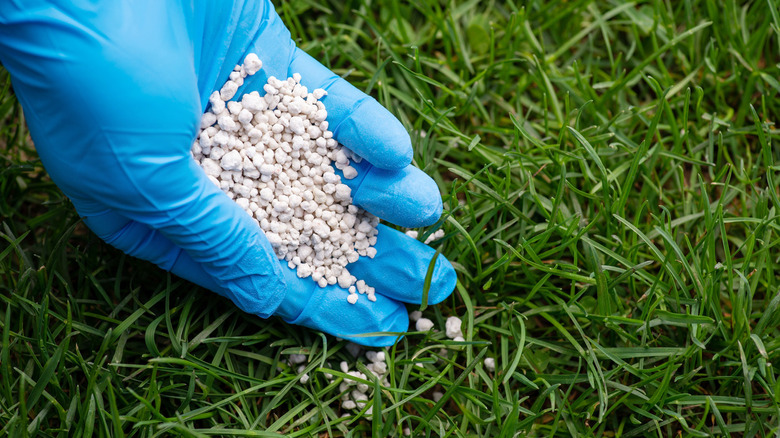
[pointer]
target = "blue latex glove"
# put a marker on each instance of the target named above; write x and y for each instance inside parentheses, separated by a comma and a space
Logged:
(113, 93)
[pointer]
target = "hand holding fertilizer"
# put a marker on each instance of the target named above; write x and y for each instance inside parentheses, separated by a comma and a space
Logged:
(116, 93)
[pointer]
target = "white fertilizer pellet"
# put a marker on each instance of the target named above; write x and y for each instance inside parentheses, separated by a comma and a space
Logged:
(423, 325)
(272, 155)
(452, 327)
(490, 364)
(296, 359)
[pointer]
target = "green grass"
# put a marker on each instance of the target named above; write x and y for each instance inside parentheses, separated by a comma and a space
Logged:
(609, 173)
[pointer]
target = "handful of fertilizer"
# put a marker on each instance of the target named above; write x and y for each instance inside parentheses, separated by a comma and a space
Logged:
(272, 155)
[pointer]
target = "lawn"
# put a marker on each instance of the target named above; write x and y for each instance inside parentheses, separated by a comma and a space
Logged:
(609, 174)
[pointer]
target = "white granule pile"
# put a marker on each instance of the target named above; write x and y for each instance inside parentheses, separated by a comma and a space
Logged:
(355, 395)
(358, 397)
(272, 155)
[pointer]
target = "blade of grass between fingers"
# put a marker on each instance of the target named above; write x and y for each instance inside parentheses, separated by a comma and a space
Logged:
(451, 220)
(428, 278)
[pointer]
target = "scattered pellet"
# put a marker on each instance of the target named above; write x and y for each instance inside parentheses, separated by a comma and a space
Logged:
(436, 235)
(423, 325)
(296, 359)
(453, 327)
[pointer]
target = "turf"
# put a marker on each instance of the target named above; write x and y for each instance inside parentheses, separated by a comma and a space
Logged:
(609, 173)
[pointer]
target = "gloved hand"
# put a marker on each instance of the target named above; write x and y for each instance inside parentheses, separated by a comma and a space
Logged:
(113, 93)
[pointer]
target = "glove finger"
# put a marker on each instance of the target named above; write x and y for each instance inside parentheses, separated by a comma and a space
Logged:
(357, 120)
(399, 268)
(406, 197)
(327, 309)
